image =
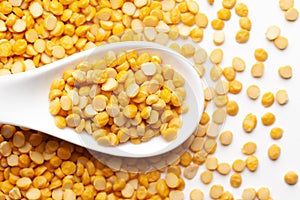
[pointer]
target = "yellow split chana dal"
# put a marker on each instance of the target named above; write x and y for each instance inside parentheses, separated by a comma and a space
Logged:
(226, 138)
(120, 98)
(281, 42)
(276, 133)
(274, 152)
(291, 177)
(235, 180)
(36, 33)
(267, 99)
(249, 123)
(268, 119)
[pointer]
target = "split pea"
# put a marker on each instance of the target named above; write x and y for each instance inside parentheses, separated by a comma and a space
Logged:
(267, 99)
(272, 32)
(276, 133)
(285, 72)
(253, 92)
(206, 176)
(249, 123)
(216, 191)
(274, 152)
(291, 178)
(268, 119)
(235, 180)
(249, 148)
(281, 42)
(226, 138)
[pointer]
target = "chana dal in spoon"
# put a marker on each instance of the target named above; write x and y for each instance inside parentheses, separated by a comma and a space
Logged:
(123, 97)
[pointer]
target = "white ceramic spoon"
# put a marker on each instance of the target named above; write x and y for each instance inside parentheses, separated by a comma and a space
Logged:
(24, 100)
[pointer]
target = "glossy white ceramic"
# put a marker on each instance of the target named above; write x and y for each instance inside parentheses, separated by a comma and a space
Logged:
(24, 100)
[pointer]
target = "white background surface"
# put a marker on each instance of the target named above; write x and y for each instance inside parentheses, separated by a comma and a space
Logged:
(270, 173)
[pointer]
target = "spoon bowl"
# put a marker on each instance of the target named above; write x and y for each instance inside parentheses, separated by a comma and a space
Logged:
(24, 100)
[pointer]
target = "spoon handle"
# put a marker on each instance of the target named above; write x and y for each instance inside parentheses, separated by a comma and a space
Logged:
(19, 103)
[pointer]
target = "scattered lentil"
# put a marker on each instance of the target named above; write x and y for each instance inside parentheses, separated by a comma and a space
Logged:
(232, 108)
(258, 69)
(235, 180)
(217, 24)
(291, 178)
(245, 23)
(281, 42)
(211, 163)
(238, 64)
(226, 138)
(263, 193)
(249, 148)
(276, 133)
(229, 73)
(190, 171)
(242, 36)
(291, 14)
(216, 56)
(267, 99)
(249, 123)
(206, 176)
(235, 87)
(272, 32)
(238, 165)
(223, 168)
(216, 191)
(241, 9)
(285, 72)
(218, 37)
(274, 152)
(249, 194)
(286, 4)
(229, 4)
(196, 194)
(260, 54)
(253, 92)
(268, 119)
(252, 163)
(226, 196)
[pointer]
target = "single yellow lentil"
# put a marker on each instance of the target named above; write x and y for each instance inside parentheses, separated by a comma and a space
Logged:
(216, 191)
(217, 24)
(285, 72)
(241, 9)
(252, 163)
(229, 4)
(274, 152)
(286, 4)
(291, 14)
(224, 14)
(226, 138)
(245, 23)
(263, 193)
(238, 64)
(249, 123)
(235, 180)
(272, 32)
(258, 69)
(291, 177)
(267, 99)
(242, 36)
(238, 165)
(276, 133)
(281, 42)
(206, 176)
(268, 119)
(249, 148)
